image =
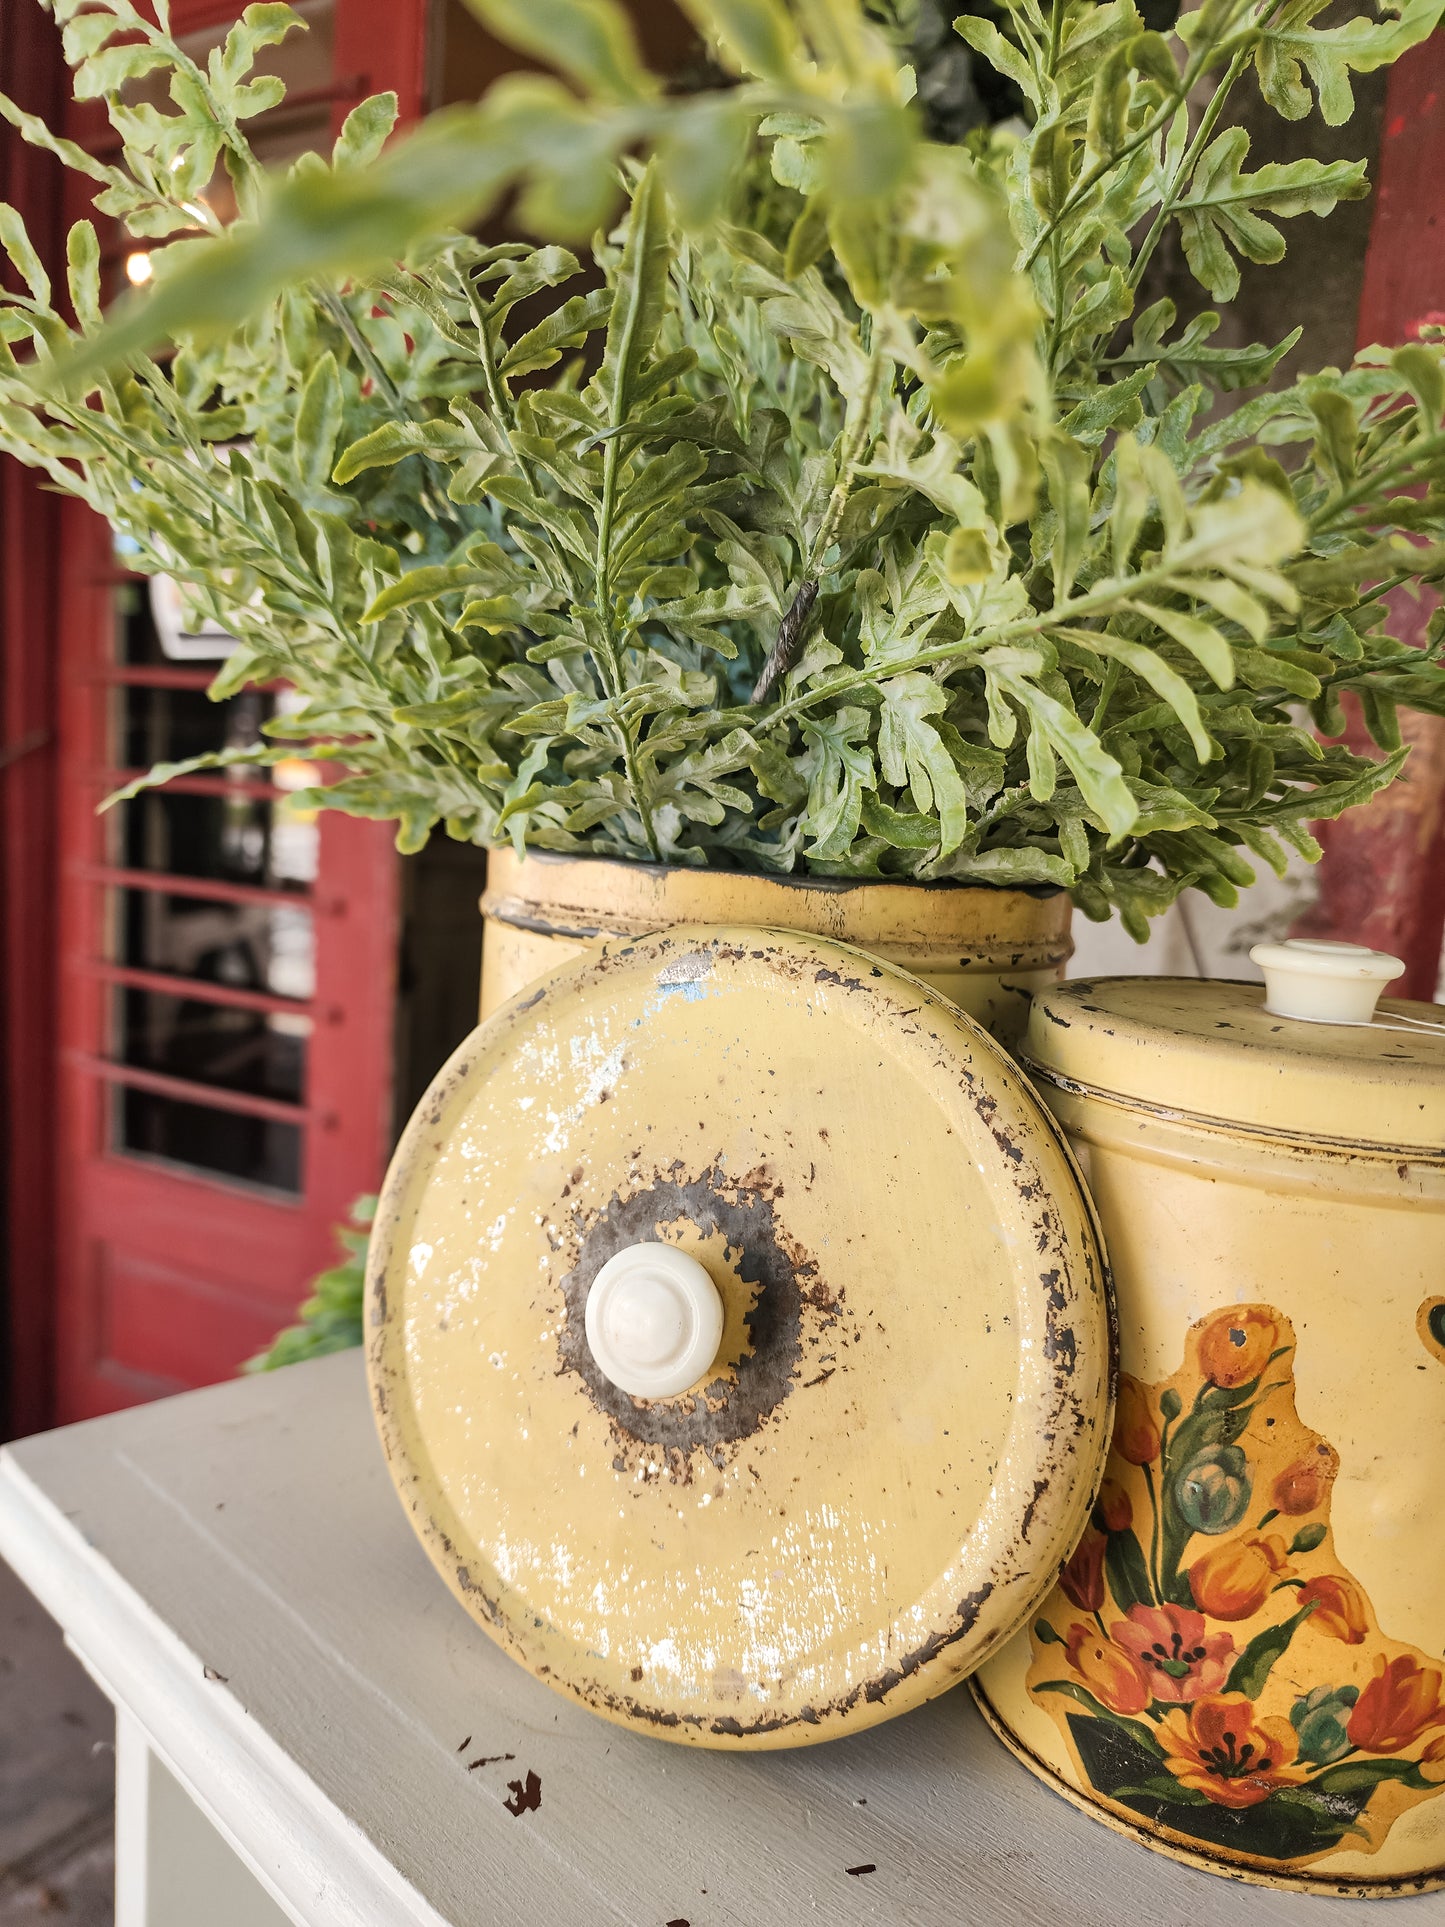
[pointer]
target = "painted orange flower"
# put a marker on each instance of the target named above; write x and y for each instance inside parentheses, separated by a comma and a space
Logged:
(1233, 1580)
(1401, 1702)
(1339, 1607)
(1114, 1677)
(1082, 1574)
(1180, 1659)
(1113, 1507)
(1221, 1750)
(1301, 1486)
(1432, 1761)
(1136, 1436)
(1235, 1346)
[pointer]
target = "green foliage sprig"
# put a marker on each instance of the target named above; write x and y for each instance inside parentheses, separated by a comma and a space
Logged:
(874, 424)
(331, 1318)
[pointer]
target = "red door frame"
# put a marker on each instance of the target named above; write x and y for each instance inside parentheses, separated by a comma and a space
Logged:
(208, 1257)
(31, 71)
(165, 1278)
(1382, 881)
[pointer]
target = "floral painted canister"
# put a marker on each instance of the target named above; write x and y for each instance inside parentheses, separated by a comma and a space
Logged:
(1241, 1662)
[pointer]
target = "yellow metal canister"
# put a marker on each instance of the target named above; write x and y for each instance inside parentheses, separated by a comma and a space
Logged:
(738, 1336)
(1241, 1662)
(986, 949)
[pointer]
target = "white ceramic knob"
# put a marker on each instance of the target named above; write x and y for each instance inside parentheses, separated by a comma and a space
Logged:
(654, 1320)
(1320, 982)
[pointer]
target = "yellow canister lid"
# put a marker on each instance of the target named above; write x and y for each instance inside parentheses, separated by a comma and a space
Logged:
(738, 1336)
(1213, 1050)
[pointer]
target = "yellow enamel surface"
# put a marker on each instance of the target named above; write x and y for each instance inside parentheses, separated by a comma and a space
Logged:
(1347, 1245)
(910, 1409)
(985, 950)
(1214, 1051)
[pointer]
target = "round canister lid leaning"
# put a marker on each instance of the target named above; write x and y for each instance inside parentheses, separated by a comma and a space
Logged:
(739, 1337)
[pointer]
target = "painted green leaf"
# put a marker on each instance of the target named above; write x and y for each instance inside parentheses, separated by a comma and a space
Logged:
(1127, 1571)
(1363, 1776)
(1321, 1717)
(1308, 1537)
(1252, 1668)
(1137, 1731)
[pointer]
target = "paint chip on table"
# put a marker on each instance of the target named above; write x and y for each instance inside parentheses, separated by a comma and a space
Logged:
(526, 1795)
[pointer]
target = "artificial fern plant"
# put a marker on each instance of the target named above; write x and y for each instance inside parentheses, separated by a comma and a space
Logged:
(850, 515)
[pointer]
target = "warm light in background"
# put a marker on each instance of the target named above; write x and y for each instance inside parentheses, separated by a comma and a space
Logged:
(138, 269)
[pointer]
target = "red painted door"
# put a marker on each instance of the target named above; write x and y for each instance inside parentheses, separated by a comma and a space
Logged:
(226, 962)
(31, 71)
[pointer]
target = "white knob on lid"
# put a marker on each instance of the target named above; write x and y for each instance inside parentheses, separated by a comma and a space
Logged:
(654, 1320)
(1320, 982)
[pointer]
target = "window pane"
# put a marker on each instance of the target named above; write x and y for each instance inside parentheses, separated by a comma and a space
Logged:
(165, 725)
(251, 1150)
(250, 946)
(226, 837)
(261, 1052)
(137, 643)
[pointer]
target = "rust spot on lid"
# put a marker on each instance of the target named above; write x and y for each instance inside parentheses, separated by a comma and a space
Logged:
(789, 1293)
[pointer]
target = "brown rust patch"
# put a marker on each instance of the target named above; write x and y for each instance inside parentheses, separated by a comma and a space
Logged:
(1060, 1345)
(785, 1287)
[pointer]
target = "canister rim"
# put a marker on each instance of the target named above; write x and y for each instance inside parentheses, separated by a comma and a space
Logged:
(1208, 1050)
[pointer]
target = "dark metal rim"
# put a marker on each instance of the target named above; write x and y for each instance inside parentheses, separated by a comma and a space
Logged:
(504, 910)
(1277, 1135)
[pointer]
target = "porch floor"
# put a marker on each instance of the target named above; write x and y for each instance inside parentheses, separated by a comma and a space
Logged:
(57, 1771)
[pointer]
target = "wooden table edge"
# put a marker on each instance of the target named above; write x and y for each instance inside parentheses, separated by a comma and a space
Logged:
(329, 1874)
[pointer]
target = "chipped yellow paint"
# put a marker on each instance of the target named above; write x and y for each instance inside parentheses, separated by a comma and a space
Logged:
(1273, 1199)
(986, 950)
(905, 1425)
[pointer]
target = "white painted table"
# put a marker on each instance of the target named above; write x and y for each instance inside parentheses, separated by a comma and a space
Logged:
(310, 1729)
